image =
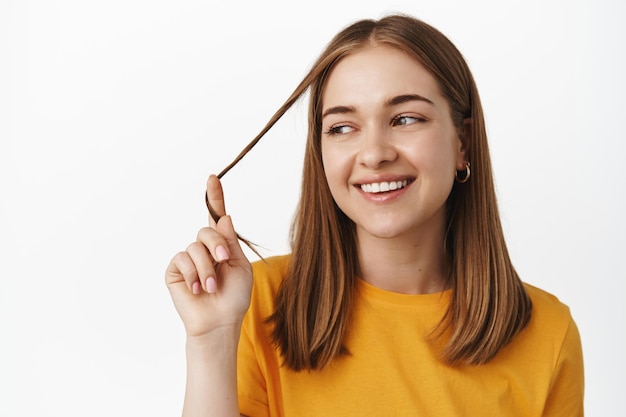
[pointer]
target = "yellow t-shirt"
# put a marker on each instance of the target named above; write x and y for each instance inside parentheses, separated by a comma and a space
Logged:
(392, 369)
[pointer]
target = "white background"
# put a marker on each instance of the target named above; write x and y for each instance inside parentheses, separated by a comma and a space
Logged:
(113, 113)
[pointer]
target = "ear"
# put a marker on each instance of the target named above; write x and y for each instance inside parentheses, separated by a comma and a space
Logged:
(464, 144)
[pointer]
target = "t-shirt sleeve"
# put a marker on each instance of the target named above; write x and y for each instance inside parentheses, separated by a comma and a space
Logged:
(251, 387)
(256, 381)
(567, 386)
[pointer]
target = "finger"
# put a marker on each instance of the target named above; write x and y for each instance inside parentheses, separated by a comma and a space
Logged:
(218, 250)
(204, 264)
(213, 241)
(225, 228)
(182, 269)
(215, 198)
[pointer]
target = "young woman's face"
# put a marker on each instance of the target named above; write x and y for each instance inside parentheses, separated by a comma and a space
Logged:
(389, 146)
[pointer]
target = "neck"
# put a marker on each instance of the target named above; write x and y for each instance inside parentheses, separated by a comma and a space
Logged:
(408, 264)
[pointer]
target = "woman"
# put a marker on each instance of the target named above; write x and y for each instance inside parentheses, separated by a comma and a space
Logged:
(399, 297)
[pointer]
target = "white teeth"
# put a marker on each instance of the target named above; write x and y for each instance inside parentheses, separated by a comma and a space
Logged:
(381, 187)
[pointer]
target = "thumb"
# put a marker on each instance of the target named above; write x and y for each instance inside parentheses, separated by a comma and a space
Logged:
(225, 228)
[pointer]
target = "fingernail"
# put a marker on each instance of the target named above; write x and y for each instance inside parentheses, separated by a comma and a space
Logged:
(221, 253)
(195, 287)
(211, 285)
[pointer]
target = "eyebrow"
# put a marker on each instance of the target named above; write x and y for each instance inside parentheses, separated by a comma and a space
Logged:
(394, 101)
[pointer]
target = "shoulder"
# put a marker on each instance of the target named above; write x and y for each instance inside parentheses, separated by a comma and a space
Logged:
(551, 324)
(547, 308)
(270, 272)
(549, 341)
(272, 265)
(555, 338)
(268, 275)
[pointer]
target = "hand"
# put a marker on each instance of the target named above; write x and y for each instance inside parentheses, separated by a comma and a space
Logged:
(211, 282)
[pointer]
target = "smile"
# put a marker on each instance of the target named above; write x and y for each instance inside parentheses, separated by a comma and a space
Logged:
(383, 187)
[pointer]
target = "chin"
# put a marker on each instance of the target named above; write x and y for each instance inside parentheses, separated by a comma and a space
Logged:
(383, 231)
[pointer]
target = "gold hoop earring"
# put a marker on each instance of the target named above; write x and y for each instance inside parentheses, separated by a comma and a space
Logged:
(464, 178)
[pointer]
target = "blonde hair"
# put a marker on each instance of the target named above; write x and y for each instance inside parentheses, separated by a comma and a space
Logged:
(489, 305)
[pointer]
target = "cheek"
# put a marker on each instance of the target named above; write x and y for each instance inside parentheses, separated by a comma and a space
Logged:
(428, 157)
(334, 165)
(438, 155)
(337, 170)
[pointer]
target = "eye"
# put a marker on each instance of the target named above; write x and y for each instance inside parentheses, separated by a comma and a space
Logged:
(339, 130)
(404, 120)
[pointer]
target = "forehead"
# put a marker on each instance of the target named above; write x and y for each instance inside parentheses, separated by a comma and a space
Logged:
(376, 73)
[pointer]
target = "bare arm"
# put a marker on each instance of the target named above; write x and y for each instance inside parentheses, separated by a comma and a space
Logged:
(210, 284)
(212, 374)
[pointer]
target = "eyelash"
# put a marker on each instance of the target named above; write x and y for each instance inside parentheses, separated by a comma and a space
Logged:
(336, 130)
(395, 120)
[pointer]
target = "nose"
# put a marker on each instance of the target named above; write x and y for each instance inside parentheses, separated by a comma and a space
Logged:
(376, 148)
